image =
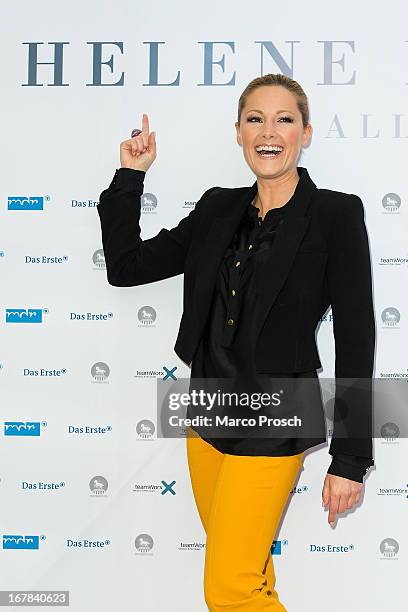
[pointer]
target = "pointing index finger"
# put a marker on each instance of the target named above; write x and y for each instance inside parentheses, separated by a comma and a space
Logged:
(145, 124)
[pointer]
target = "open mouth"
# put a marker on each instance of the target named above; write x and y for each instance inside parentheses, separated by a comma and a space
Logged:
(268, 152)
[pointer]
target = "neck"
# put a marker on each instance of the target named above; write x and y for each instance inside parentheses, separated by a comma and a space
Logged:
(274, 193)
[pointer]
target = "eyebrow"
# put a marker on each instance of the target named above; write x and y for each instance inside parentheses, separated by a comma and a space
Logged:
(259, 111)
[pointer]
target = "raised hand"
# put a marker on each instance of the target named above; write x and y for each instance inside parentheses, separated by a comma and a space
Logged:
(139, 152)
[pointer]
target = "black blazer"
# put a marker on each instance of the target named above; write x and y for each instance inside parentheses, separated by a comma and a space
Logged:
(320, 257)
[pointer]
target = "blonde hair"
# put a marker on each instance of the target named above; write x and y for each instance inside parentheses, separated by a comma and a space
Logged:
(283, 81)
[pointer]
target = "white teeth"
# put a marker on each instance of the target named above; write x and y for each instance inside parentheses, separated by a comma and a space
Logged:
(268, 148)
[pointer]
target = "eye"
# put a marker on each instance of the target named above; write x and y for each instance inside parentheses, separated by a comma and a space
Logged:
(286, 119)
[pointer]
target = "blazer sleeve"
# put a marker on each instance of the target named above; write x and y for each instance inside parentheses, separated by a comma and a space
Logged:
(131, 261)
(350, 289)
(349, 466)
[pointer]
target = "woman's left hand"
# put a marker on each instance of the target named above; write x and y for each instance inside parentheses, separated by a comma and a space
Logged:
(341, 494)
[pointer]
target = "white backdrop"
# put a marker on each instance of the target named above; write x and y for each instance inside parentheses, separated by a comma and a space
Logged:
(76, 78)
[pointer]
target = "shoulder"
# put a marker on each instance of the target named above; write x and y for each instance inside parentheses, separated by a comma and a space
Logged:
(223, 194)
(211, 199)
(337, 205)
(208, 196)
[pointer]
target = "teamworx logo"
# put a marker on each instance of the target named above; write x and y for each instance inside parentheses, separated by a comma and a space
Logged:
(168, 487)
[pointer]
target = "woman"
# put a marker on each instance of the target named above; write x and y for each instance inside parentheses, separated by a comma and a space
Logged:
(261, 265)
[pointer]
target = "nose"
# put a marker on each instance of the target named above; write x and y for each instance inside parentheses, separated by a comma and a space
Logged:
(269, 130)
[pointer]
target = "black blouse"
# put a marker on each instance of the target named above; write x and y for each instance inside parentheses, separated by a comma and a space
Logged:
(225, 349)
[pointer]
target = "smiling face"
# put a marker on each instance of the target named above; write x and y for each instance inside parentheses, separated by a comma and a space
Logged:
(271, 117)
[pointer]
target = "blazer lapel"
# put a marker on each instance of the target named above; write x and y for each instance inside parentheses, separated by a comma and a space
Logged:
(217, 239)
(271, 275)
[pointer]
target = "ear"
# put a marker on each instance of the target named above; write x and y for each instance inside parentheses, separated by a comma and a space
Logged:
(307, 135)
(239, 140)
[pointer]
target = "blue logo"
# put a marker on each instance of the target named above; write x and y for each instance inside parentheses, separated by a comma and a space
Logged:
(21, 542)
(21, 428)
(276, 548)
(25, 203)
(24, 315)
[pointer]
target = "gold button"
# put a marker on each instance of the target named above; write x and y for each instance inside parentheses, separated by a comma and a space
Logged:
(233, 291)
(237, 264)
(230, 321)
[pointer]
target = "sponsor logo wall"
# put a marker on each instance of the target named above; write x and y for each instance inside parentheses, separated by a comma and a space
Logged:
(93, 502)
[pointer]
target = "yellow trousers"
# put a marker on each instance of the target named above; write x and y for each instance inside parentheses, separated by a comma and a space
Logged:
(240, 500)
